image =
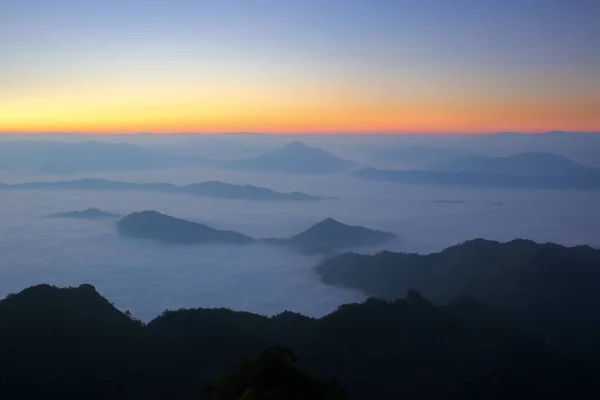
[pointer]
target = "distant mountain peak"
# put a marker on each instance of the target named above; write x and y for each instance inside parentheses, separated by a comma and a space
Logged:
(330, 221)
(294, 157)
(297, 145)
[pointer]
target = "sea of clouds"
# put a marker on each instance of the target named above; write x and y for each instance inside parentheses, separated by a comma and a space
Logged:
(147, 278)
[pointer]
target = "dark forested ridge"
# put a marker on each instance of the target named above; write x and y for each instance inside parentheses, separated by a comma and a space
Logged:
(544, 289)
(73, 344)
(519, 275)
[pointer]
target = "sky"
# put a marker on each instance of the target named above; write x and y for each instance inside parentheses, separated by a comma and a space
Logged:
(309, 66)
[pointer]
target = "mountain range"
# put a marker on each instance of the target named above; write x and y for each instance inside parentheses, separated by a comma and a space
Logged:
(325, 236)
(215, 189)
(70, 157)
(525, 171)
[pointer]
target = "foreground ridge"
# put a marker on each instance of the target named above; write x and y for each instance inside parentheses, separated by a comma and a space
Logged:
(72, 343)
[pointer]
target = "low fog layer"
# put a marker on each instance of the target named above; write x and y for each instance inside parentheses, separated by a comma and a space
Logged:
(147, 278)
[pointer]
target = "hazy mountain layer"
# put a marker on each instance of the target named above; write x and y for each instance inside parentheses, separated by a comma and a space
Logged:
(90, 213)
(214, 189)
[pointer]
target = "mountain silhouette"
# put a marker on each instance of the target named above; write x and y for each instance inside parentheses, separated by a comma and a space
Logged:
(213, 189)
(295, 157)
(90, 213)
(164, 228)
(74, 344)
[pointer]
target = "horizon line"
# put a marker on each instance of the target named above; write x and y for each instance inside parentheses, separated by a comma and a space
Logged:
(325, 133)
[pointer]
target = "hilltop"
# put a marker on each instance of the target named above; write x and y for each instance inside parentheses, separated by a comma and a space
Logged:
(330, 234)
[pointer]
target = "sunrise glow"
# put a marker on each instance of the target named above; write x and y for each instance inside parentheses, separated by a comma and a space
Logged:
(124, 67)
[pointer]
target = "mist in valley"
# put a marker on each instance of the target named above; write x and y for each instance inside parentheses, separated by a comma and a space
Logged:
(148, 278)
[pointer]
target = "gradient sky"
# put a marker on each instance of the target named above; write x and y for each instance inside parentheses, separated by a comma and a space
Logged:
(436, 66)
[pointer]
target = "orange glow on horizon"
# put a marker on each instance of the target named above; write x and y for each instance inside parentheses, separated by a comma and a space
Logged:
(401, 118)
(266, 107)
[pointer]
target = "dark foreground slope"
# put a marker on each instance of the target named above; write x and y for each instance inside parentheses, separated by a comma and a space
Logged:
(73, 344)
(273, 375)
